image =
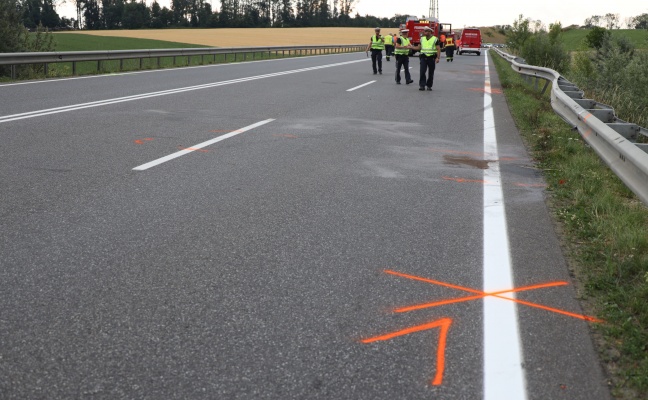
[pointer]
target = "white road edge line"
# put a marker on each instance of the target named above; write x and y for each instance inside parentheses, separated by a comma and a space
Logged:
(503, 372)
(199, 146)
(358, 87)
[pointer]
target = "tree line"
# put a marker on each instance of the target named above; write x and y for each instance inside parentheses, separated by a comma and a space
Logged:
(613, 21)
(135, 14)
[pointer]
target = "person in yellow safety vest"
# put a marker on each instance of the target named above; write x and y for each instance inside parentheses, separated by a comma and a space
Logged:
(389, 45)
(403, 47)
(430, 56)
(376, 45)
(449, 48)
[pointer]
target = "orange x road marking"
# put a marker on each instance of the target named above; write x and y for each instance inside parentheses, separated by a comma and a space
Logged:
(444, 323)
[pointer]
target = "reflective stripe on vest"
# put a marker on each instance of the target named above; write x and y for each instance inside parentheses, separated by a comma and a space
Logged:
(428, 47)
(404, 42)
(376, 43)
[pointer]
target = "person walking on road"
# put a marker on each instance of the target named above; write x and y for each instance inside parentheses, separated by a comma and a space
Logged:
(430, 56)
(389, 45)
(376, 45)
(403, 47)
(449, 48)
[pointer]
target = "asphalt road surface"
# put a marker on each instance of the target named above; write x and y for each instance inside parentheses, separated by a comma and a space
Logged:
(288, 229)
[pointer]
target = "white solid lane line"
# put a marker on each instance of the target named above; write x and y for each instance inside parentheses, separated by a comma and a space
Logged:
(358, 87)
(74, 107)
(198, 146)
(503, 372)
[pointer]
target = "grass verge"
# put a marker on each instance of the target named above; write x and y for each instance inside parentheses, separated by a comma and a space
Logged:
(604, 228)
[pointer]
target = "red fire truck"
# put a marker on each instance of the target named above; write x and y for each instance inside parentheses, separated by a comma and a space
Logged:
(416, 26)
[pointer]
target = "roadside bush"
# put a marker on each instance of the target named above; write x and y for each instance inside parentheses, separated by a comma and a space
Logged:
(539, 50)
(615, 74)
(596, 37)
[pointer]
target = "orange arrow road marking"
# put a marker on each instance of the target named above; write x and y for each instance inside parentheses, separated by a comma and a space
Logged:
(443, 323)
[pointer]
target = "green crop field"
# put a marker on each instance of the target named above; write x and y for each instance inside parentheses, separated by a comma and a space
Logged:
(80, 42)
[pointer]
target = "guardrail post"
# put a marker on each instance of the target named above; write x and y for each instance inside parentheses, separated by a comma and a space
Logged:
(141, 63)
(121, 64)
(98, 65)
(74, 69)
(45, 69)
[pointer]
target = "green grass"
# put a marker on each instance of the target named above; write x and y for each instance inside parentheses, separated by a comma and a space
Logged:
(574, 39)
(605, 230)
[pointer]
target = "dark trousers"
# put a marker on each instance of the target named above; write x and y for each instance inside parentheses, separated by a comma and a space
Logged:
(427, 66)
(376, 57)
(449, 52)
(389, 51)
(402, 61)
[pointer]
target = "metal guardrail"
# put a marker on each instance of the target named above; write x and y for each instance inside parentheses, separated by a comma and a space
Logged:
(613, 139)
(15, 59)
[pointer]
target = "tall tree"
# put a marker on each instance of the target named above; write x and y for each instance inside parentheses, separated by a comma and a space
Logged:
(612, 21)
(12, 31)
(640, 21)
(31, 13)
(49, 16)
(135, 15)
(92, 14)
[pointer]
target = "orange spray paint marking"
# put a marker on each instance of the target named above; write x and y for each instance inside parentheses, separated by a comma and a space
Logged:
(141, 141)
(482, 294)
(463, 180)
(483, 90)
(193, 149)
(443, 323)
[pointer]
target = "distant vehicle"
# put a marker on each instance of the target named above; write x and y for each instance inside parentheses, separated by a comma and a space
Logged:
(416, 27)
(470, 41)
(487, 45)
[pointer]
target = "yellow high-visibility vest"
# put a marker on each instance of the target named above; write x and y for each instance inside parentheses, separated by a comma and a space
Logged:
(377, 44)
(428, 46)
(404, 42)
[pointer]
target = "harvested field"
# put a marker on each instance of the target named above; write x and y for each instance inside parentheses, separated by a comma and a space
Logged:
(244, 37)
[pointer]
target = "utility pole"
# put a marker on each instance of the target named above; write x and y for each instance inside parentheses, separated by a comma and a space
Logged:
(434, 9)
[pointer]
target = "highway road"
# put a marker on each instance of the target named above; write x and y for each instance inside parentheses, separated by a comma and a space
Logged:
(287, 229)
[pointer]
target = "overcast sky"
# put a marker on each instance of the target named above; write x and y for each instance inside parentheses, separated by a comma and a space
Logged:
(479, 12)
